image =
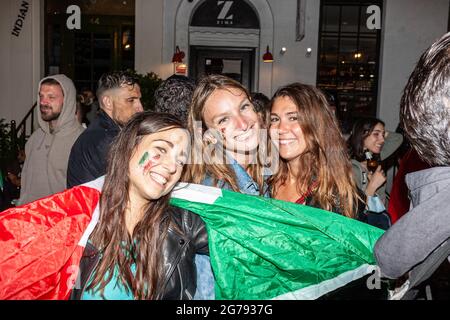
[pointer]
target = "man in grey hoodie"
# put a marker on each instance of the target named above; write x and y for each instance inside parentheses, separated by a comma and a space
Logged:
(419, 243)
(47, 151)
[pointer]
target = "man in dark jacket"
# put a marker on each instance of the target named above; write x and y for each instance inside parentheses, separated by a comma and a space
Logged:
(119, 96)
(418, 245)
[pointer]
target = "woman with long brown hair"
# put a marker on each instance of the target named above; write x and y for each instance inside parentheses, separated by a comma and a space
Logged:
(227, 151)
(314, 167)
(141, 247)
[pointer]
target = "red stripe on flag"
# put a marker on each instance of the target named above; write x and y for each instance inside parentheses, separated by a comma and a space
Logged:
(39, 244)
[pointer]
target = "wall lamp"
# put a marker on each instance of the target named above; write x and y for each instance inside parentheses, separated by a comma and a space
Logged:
(268, 57)
(178, 56)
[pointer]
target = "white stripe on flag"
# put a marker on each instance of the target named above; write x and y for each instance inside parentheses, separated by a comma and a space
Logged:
(196, 193)
(87, 233)
(97, 185)
(317, 290)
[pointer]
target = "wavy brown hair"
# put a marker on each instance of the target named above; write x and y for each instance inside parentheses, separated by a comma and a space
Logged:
(202, 163)
(325, 159)
(143, 247)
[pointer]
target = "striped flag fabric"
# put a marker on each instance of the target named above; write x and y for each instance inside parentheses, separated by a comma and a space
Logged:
(260, 248)
(270, 249)
(41, 243)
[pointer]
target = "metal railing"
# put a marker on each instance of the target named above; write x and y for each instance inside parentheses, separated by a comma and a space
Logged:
(20, 133)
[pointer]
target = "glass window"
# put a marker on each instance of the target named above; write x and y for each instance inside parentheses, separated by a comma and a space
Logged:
(363, 21)
(348, 59)
(330, 18)
(350, 19)
(104, 43)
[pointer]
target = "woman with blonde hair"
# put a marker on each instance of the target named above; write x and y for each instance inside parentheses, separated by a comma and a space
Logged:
(227, 152)
(314, 167)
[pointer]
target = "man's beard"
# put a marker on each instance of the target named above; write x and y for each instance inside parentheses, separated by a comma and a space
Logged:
(49, 116)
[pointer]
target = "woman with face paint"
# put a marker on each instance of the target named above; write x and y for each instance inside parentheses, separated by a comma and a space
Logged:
(141, 247)
(315, 169)
(228, 128)
(226, 149)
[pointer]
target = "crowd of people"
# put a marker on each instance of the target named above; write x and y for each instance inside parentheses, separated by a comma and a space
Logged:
(215, 132)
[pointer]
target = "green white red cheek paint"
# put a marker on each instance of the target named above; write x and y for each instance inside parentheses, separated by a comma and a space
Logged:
(147, 163)
(144, 158)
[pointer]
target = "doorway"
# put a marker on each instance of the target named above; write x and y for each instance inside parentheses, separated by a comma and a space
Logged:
(236, 63)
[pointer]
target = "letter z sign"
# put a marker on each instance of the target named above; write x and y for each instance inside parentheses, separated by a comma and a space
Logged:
(223, 17)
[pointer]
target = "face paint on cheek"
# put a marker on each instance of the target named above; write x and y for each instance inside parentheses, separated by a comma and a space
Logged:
(143, 159)
(151, 163)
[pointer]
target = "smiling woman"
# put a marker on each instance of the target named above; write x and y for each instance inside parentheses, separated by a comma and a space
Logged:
(157, 163)
(222, 113)
(228, 152)
(314, 169)
(370, 140)
(114, 238)
(134, 251)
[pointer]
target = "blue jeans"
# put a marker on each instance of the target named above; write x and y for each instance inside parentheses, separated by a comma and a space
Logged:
(205, 278)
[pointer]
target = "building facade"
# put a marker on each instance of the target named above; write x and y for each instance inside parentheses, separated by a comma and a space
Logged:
(320, 42)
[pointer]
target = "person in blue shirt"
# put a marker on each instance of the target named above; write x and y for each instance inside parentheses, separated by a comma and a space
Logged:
(229, 149)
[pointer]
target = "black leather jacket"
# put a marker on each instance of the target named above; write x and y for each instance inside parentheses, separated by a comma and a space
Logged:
(186, 237)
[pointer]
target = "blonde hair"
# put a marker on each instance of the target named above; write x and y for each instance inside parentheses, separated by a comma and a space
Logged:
(201, 164)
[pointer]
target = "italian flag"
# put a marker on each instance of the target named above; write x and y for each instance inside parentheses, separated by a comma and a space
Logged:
(41, 243)
(260, 248)
(270, 249)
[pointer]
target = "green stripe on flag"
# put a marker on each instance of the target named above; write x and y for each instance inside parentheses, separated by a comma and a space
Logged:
(265, 248)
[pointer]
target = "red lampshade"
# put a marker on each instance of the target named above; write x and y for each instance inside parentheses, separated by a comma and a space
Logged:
(178, 56)
(268, 57)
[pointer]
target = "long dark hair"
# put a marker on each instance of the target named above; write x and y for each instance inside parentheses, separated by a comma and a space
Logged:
(361, 130)
(325, 159)
(119, 249)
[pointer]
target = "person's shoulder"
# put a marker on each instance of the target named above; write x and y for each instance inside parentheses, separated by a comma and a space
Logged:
(36, 135)
(81, 129)
(178, 214)
(94, 135)
(184, 219)
(356, 166)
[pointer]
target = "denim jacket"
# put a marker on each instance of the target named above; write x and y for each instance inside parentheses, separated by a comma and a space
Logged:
(244, 181)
